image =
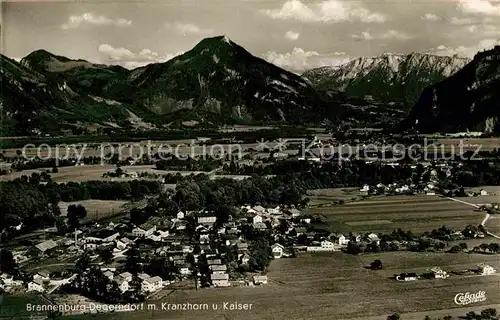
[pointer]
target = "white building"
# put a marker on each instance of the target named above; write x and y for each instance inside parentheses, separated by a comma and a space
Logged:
(144, 230)
(439, 273)
(257, 219)
(342, 240)
(207, 220)
(152, 284)
(218, 268)
(277, 250)
(36, 285)
(220, 280)
(486, 269)
(259, 280)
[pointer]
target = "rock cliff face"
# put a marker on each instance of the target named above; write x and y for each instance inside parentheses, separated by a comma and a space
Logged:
(468, 100)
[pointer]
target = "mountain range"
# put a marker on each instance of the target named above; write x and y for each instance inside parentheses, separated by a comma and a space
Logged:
(468, 100)
(387, 78)
(219, 82)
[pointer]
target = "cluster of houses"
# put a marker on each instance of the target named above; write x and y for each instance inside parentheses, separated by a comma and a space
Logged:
(170, 238)
(438, 273)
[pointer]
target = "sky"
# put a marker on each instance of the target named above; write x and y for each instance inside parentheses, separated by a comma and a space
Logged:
(294, 34)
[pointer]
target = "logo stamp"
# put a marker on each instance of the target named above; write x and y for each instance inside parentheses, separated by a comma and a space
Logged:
(464, 299)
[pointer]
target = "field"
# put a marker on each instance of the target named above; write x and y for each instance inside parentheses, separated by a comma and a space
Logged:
(94, 172)
(338, 286)
(96, 208)
(418, 213)
(15, 306)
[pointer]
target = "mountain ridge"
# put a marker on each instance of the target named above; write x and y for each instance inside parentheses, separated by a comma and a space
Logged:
(388, 77)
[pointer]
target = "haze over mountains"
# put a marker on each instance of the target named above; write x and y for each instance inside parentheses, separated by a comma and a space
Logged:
(219, 82)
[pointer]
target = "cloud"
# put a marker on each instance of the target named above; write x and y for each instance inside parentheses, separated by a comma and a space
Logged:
(461, 21)
(479, 7)
(326, 11)
(484, 30)
(365, 35)
(464, 51)
(189, 28)
(300, 60)
(388, 35)
(292, 36)
(430, 17)
(91, 19)
(129, 59)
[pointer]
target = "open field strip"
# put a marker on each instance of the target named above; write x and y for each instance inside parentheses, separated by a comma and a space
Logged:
(337, 286)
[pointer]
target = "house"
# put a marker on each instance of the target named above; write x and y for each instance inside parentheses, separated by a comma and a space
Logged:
(46, 245)
(483, 192)
(325, 245)
(152, 284)
(242, 247)
(257, 280)
(143, 276)
(126, 276)
(207, 220)
(365, 189)
(438, 273)
(36, 285)
(180, 225)
(90, 246)
(259, 209)
(181, 215)
(109, 274)
(123, 283)
(245, 259)
(486, 269)
(294, 213)
(214, 261)
(259, 226)
(220, 280)
(342, 240)
(257, 219)
(144, 230)
(43, 275)
(407, 277)
(356, 237)
(218, 268)
(373, 237)
(277, 250)
(185, 270)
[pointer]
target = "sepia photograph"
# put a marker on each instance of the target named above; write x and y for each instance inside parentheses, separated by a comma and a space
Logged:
(250, 159)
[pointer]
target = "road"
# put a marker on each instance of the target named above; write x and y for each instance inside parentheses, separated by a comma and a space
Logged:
(486, 218)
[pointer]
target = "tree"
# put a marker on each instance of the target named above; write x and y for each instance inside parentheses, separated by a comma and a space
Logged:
(353, 248)
(55, 170)
(7, 262)
(376, 265)
(394, 316)
(106, 255)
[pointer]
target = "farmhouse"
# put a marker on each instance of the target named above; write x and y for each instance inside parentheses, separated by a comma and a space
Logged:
(144, 230)
(277, 250)
(439, 273)
(36, 285)
(218, 268)
(486, 269)
(220, 280)
(207, 220)
(325, 246)
(259, 280)
(46, 245)
(407, 277)
(42, 275)
(152, 284)
(123, 283)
